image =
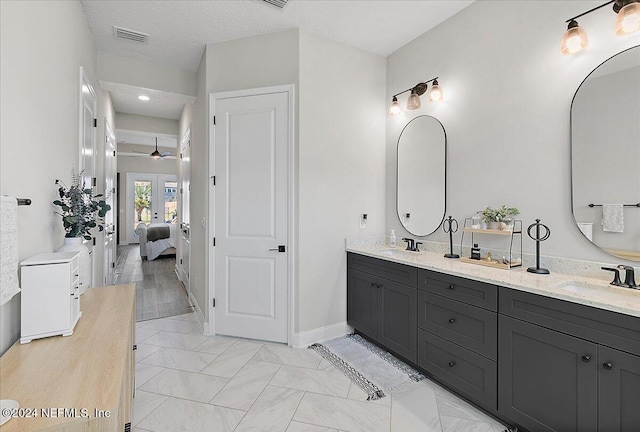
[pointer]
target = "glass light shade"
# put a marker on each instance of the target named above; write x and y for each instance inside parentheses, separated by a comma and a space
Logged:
(414, 101)
(435, 93)
(394, 108)
(574, 40)
(628, 20)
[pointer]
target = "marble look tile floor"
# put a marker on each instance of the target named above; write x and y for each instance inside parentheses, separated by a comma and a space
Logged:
(189, 382)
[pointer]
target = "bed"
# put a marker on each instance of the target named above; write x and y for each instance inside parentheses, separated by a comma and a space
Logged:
(154, 241)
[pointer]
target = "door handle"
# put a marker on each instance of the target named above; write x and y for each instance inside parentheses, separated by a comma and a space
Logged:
(280, 248)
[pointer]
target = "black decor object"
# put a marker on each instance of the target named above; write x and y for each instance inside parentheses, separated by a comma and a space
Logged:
(447, 226)
(538, 239)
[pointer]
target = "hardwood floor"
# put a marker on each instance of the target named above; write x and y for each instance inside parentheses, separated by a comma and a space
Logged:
(159, 293)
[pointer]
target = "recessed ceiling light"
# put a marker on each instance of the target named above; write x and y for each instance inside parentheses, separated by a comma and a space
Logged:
(144, 98)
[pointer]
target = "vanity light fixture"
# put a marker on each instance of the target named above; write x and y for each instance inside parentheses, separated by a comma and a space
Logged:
(435, 95)
(628, 21)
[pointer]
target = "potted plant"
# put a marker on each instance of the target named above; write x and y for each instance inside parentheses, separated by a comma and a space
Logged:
(496, 217)
(81, 211)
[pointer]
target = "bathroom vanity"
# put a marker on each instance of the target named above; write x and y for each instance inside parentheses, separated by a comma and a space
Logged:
(546, 353)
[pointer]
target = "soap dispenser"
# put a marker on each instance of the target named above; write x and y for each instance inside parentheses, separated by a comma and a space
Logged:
(392, 239)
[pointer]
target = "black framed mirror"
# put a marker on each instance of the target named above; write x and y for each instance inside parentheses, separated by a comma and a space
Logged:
(605, 155)
(422, 175)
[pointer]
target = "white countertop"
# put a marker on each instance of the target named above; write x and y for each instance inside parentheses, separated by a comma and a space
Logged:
(601, 295)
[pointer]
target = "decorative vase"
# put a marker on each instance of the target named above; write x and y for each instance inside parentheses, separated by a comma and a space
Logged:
(76, 244)
(495, 225)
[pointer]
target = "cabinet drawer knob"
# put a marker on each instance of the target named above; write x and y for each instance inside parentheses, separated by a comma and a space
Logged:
(452, 364)
(452, 320)
(586, 358)
(607, 365)
(451, 287)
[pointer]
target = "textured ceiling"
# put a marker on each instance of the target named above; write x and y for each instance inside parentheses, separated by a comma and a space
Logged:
(179, 29)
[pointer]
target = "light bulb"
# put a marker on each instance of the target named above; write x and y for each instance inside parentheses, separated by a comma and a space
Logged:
(394, 108)
(574, 40)
(435, 93)
(414, 100)
(628, 20)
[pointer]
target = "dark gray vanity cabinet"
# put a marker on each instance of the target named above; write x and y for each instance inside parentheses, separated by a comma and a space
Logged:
(457, 335)
(548, 380)
(567, 367)
(381, 303)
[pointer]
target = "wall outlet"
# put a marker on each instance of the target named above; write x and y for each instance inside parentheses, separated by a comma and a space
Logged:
(363, 220)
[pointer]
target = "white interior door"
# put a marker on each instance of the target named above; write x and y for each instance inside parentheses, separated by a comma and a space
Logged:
(184, 251)
(250, 264)
(87, 163)
(110, 172)
(151, 198)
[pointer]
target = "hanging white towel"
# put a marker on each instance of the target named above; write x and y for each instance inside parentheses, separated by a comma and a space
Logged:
(613, 218)
(8, 249)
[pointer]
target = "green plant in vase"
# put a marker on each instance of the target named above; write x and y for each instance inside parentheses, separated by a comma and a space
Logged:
(80, 209)
(496, 217)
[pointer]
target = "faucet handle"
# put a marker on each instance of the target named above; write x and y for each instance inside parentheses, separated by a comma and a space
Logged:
(629, 279)
(616, 278)
(416, 248)
(410, 243)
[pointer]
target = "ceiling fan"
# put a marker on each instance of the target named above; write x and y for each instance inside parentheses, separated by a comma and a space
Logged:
(155, 154)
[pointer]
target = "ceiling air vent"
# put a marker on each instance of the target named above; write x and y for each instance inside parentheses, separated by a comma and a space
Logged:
(279, 3)
(135, 36)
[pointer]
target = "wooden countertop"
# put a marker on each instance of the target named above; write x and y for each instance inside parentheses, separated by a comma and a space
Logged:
(81, 371)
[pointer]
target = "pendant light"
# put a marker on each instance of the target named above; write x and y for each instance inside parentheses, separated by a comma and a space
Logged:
(628, 20)
(394, 108)
(156, 154)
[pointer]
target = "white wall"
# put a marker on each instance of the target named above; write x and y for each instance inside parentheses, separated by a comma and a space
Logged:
(508, 93)
(39, 95)
(342, 109)
(140, 73)
(140, 123)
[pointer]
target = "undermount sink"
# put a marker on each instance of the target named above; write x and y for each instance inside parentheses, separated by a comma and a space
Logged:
(608, 291)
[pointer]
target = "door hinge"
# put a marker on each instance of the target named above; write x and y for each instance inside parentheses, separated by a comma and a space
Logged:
(181, 190)
(214, 302)
(180, 155)
(214, 120)
(189, 187)
(113, 190)
(114, 152)
(214, 180)
(95, 122)
(214, 242)
(94, 181)
(135, 347)
(180, 260)
(113, 265)
(94, 241)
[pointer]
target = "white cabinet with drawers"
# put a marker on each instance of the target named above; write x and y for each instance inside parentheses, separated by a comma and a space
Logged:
(50, 298)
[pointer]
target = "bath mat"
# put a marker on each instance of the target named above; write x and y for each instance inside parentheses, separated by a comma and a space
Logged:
(371, 368)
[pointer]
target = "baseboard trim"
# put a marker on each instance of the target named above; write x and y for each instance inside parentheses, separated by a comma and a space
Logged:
(321, 334)
(198, 312)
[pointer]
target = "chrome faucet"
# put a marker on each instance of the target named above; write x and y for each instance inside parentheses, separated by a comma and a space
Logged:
(412, 245)
(629, 277)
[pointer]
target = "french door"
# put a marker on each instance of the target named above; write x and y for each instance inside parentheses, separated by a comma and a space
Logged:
(151, 198)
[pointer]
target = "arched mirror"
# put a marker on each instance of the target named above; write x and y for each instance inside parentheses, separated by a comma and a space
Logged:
(422, 159)
(605, 155)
